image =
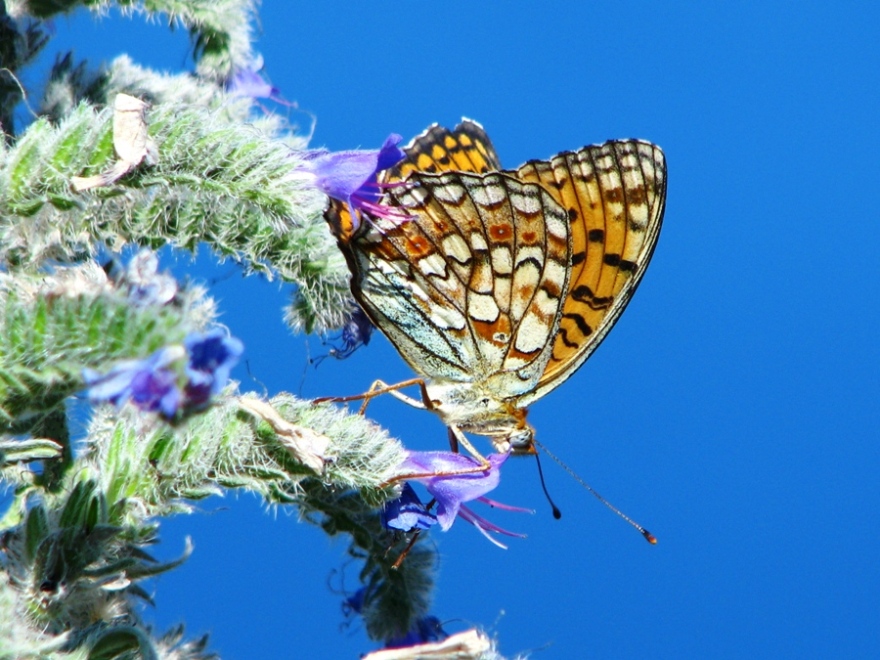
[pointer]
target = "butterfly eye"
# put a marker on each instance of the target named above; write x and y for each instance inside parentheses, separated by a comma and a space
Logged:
(521, 440)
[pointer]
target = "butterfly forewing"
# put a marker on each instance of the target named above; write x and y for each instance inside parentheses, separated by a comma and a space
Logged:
(614, 195)
(392, 263)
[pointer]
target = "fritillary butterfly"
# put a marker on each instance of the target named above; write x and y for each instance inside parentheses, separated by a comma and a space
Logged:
(496, 285)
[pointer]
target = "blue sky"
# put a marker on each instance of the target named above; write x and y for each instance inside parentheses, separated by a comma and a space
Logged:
(733, 409)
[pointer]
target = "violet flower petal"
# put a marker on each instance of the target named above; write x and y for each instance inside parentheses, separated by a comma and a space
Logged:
(453, 490)
(495, 504)
(340, 174)
(147, 383)
(486, 527)
(351, 176)
(212, 356)
(356, 332)
(246, 81)
(407, 512)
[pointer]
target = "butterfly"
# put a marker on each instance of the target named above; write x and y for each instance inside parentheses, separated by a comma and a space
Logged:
(496, 285)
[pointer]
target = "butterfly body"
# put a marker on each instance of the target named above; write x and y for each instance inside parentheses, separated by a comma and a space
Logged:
(495, 286)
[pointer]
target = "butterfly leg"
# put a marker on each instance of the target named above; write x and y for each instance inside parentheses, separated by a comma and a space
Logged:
(380, 387)
(457, 438)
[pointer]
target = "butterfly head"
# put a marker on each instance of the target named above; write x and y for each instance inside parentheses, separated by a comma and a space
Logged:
(519, 441)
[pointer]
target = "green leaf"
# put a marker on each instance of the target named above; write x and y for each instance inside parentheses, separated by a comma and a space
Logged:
(76, 509)
(35, 532)
(24, 451)
(122, 641)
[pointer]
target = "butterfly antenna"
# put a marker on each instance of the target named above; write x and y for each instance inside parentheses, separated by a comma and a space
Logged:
(650, 538)
(556, 512)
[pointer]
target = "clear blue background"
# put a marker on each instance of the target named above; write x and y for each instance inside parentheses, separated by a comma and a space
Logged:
(732, 411)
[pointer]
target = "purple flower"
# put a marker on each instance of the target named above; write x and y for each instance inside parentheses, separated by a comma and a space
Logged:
(407, 513)
(452, 491)
(352, 176)
(211, 358)
(246, 81)
(149, 384)
(485, 527)
(203, 363)
(355, 333)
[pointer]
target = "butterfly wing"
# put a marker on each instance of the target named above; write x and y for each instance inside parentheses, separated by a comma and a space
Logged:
(614, 195)
(471, 287)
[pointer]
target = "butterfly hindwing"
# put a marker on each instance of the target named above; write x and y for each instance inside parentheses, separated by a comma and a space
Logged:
(471, 287)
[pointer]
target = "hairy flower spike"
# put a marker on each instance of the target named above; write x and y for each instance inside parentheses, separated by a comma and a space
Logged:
(424, 629)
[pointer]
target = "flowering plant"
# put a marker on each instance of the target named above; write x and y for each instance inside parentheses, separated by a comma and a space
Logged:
(121, 162)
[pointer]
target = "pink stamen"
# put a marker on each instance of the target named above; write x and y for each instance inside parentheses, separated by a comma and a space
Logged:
(486, 526)
(363, 209)
(504, 507)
